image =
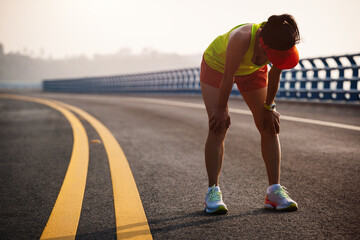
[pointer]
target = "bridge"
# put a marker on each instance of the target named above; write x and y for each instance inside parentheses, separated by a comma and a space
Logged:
(121, 157)
(324, 79)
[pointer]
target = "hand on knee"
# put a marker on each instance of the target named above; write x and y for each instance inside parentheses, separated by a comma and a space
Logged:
(270, 123)
(219, 121)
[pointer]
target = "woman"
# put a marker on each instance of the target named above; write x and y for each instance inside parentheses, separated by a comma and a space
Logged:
(241, 56)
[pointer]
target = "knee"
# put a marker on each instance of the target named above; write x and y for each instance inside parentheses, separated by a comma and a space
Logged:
(218, 136)
(267, 134)
(264, 132)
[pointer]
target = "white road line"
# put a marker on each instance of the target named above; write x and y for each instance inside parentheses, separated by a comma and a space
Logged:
(241, 111)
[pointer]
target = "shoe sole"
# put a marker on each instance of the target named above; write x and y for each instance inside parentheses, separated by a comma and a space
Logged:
(219, 210)
(290, 208)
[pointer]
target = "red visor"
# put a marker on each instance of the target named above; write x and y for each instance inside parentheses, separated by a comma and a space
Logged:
(282, 59)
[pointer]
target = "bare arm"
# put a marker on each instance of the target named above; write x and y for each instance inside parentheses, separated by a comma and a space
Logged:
(239, 41)
(236, 49)
(272, 118)
(273, 85)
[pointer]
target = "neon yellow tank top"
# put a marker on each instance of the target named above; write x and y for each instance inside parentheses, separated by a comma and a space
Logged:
(215, 54)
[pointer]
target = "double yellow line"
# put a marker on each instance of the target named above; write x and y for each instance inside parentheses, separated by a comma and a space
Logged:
(131, 222)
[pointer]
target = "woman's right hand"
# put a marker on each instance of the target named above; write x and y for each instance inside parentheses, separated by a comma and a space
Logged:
(219, 120)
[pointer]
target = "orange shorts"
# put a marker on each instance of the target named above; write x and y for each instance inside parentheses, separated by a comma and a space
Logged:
(254, 81)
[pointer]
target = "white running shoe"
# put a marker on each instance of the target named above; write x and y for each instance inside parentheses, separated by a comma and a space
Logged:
(279, 199)
(214, 203)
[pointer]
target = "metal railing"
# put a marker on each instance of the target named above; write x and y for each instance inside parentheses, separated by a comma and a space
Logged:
(333, 79)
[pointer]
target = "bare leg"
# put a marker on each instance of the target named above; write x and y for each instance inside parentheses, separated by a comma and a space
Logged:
(270, 144)
(214, 147)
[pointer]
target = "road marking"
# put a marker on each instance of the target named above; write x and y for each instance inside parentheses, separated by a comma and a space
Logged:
(131, 221)
(241, 111)
(64, 218)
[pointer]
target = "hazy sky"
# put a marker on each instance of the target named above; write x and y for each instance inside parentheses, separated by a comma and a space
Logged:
(73, 27)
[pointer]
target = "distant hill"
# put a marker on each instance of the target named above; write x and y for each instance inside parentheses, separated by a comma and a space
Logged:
(16, 66)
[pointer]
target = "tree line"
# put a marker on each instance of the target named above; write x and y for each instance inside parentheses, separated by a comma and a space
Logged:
(18, 66)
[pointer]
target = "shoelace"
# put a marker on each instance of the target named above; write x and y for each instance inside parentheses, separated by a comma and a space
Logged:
(214, 195)
(282, 192)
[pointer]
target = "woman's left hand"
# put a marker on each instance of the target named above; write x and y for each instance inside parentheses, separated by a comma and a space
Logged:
(271, 122)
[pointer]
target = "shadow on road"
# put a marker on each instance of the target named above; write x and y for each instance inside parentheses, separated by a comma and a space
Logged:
(200, 218)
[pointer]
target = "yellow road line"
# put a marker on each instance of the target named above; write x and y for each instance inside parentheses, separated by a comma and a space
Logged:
(131, 221)
(64, 218)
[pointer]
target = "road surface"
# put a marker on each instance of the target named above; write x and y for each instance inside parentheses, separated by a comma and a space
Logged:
(163, 140)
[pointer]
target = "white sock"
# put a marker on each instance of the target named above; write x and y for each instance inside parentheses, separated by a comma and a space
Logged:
(273, 187)
(217, 188)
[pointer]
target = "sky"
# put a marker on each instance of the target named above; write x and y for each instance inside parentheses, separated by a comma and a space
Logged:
(65, 28)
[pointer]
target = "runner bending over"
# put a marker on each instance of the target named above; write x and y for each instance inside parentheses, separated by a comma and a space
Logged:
(241, 56)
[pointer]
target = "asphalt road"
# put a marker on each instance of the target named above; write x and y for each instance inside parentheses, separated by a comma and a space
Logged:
(164, 146)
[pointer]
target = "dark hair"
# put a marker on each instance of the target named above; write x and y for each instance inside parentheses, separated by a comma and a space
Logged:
(280, 32)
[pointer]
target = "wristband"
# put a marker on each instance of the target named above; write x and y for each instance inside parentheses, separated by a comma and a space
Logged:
(270, 107)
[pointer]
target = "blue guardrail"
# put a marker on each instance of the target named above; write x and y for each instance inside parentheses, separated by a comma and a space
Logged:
(324, 79)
